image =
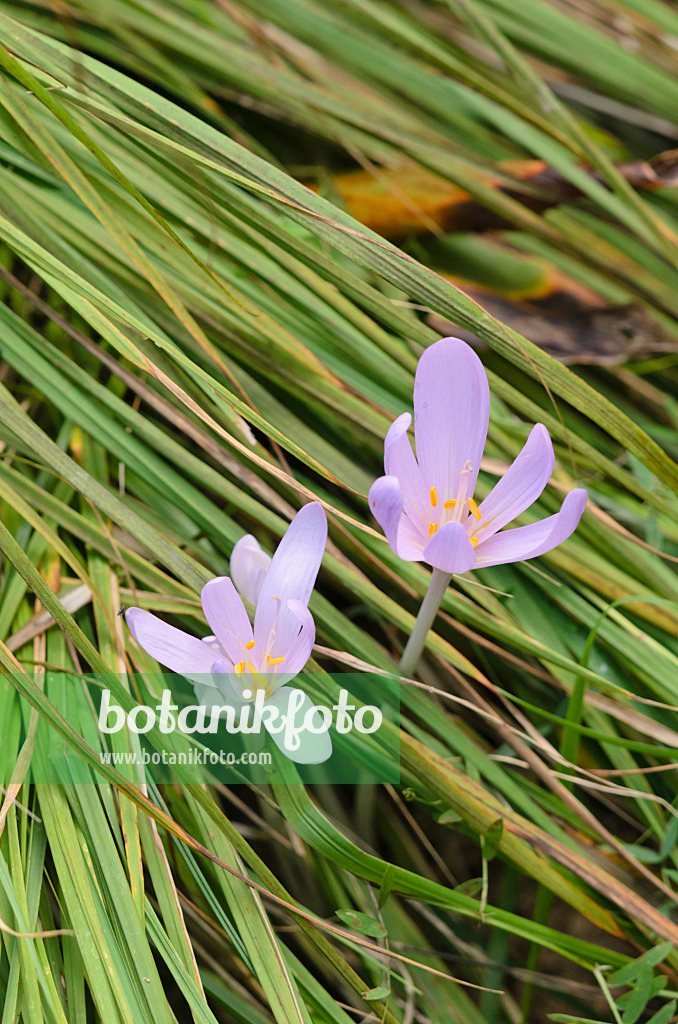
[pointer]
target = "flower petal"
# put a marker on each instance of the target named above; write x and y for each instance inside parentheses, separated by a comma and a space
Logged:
(300, 652)
(521, 484)
(450, 549)
(399, 461)
(290, 577)
(451, 414)
(412, 539)
(248, 567)
(536, 539)
(226, 615)
(386, 501)
(314, 748)
(176, 650)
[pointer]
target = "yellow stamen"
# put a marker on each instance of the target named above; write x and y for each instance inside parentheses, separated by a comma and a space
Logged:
(240, 668)
(252, 668)
(474, 542)
(250, 645)
(432, 528)
(433, 495)
(473, 508)
(273, 661)
(450, 504)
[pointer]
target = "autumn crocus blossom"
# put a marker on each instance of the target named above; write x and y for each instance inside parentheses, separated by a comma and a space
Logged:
(239, 659)
(425, 505)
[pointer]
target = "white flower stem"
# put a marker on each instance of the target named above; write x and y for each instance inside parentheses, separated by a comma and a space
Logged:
(427, 613)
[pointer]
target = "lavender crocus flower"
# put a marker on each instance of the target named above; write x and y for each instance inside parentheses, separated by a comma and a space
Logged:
(238, 659)
(425, 504)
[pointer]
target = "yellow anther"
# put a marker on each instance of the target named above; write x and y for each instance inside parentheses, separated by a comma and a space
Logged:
(473, 508)
(432, 528)
(433, 495)
(240, 668)
(474, 542)
(450, 504)
(250, 645)
(273, 661)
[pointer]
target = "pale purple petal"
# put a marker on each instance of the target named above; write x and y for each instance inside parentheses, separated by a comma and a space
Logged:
(176, 650)
(296, 657)
(450, 549)
(537, 538)
(412, 539)
(300, 652)
(248, 567)
(520, 486)
(290, 577)
(399, 461)
(451, 415)
(226, 615)
(313, 748)
(386, 501)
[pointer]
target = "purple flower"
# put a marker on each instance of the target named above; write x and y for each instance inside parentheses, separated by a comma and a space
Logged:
(239, 659)
(425, 504)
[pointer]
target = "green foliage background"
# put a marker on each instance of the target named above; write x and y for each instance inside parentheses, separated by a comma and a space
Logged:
(193, 345)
